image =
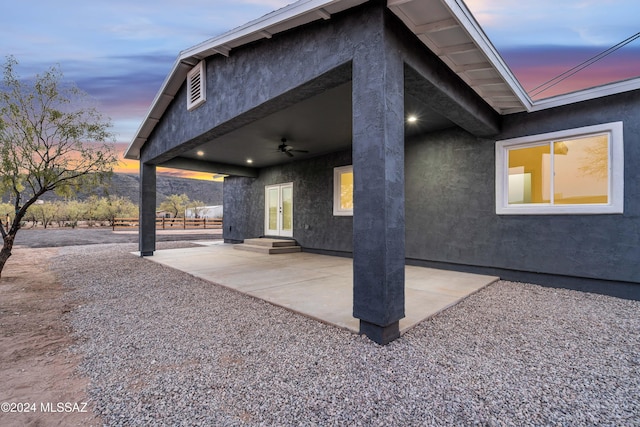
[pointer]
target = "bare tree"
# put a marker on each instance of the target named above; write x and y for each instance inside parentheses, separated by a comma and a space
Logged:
(51, 139)
(596, 160)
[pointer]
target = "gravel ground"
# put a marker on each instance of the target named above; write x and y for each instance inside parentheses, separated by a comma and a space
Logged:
(164, 348)
(56, 237)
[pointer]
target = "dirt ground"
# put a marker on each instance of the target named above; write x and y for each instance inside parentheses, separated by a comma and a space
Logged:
(39, 385)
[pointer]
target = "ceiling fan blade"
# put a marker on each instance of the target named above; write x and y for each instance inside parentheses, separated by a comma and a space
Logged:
(287, 149)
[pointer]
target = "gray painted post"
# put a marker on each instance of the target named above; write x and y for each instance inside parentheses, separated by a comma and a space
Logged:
(378, 169)
(147, 227)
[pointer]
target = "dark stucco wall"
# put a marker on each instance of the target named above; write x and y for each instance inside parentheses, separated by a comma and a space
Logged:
(450, 209)
(449, 198)
(450, 204)
(315, 226)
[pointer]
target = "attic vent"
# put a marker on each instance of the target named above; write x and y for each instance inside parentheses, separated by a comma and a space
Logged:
(196, 86)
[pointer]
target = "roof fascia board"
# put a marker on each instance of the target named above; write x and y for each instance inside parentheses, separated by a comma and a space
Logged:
(276, 17)
(471, 26)
(178, 70)
(587, 94)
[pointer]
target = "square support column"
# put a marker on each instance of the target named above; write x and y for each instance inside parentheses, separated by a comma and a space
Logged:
(147, 226)
(378, 198)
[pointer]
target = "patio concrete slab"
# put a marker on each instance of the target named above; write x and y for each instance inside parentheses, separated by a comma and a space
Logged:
(318, 286)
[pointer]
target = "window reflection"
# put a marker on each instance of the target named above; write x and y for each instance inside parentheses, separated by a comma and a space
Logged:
(346, 190)
(581, 176)
(580, 172)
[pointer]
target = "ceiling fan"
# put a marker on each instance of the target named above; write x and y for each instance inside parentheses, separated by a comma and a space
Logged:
(287, 149)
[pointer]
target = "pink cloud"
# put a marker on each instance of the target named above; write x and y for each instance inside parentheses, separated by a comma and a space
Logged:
(535, 66)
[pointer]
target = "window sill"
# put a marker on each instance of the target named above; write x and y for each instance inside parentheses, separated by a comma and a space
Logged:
(560, 210)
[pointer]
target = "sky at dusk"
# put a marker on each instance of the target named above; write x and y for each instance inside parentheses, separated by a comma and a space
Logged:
(120, 51)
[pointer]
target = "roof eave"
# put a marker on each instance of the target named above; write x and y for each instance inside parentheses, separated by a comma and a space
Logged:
(159, 105)
(473, 28)
(587, 94)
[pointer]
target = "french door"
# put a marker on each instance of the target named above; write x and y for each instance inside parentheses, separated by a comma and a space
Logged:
(278, 210)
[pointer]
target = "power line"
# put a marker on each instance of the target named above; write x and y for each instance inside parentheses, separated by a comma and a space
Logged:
(554, 81)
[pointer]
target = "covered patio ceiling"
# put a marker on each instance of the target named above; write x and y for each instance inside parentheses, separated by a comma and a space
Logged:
(318, 125)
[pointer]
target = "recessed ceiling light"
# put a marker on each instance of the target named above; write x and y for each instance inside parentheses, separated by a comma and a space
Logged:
(412, 119)
(200, 153)
(249, 161)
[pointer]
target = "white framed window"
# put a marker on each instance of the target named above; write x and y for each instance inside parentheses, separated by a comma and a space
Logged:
(196, 86)
(575, 171)
(343, 191)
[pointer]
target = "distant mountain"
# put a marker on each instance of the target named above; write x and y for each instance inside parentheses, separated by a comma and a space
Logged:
(128, 185)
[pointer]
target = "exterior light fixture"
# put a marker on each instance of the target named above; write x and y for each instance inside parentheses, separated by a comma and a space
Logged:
(412, 119)
(200, 153)
(249, 161)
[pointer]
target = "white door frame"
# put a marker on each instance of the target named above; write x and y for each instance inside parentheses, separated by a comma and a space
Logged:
(280, 229)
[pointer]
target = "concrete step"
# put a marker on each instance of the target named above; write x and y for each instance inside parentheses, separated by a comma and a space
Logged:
(269, 246)
(267, 249)
(272, 243)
